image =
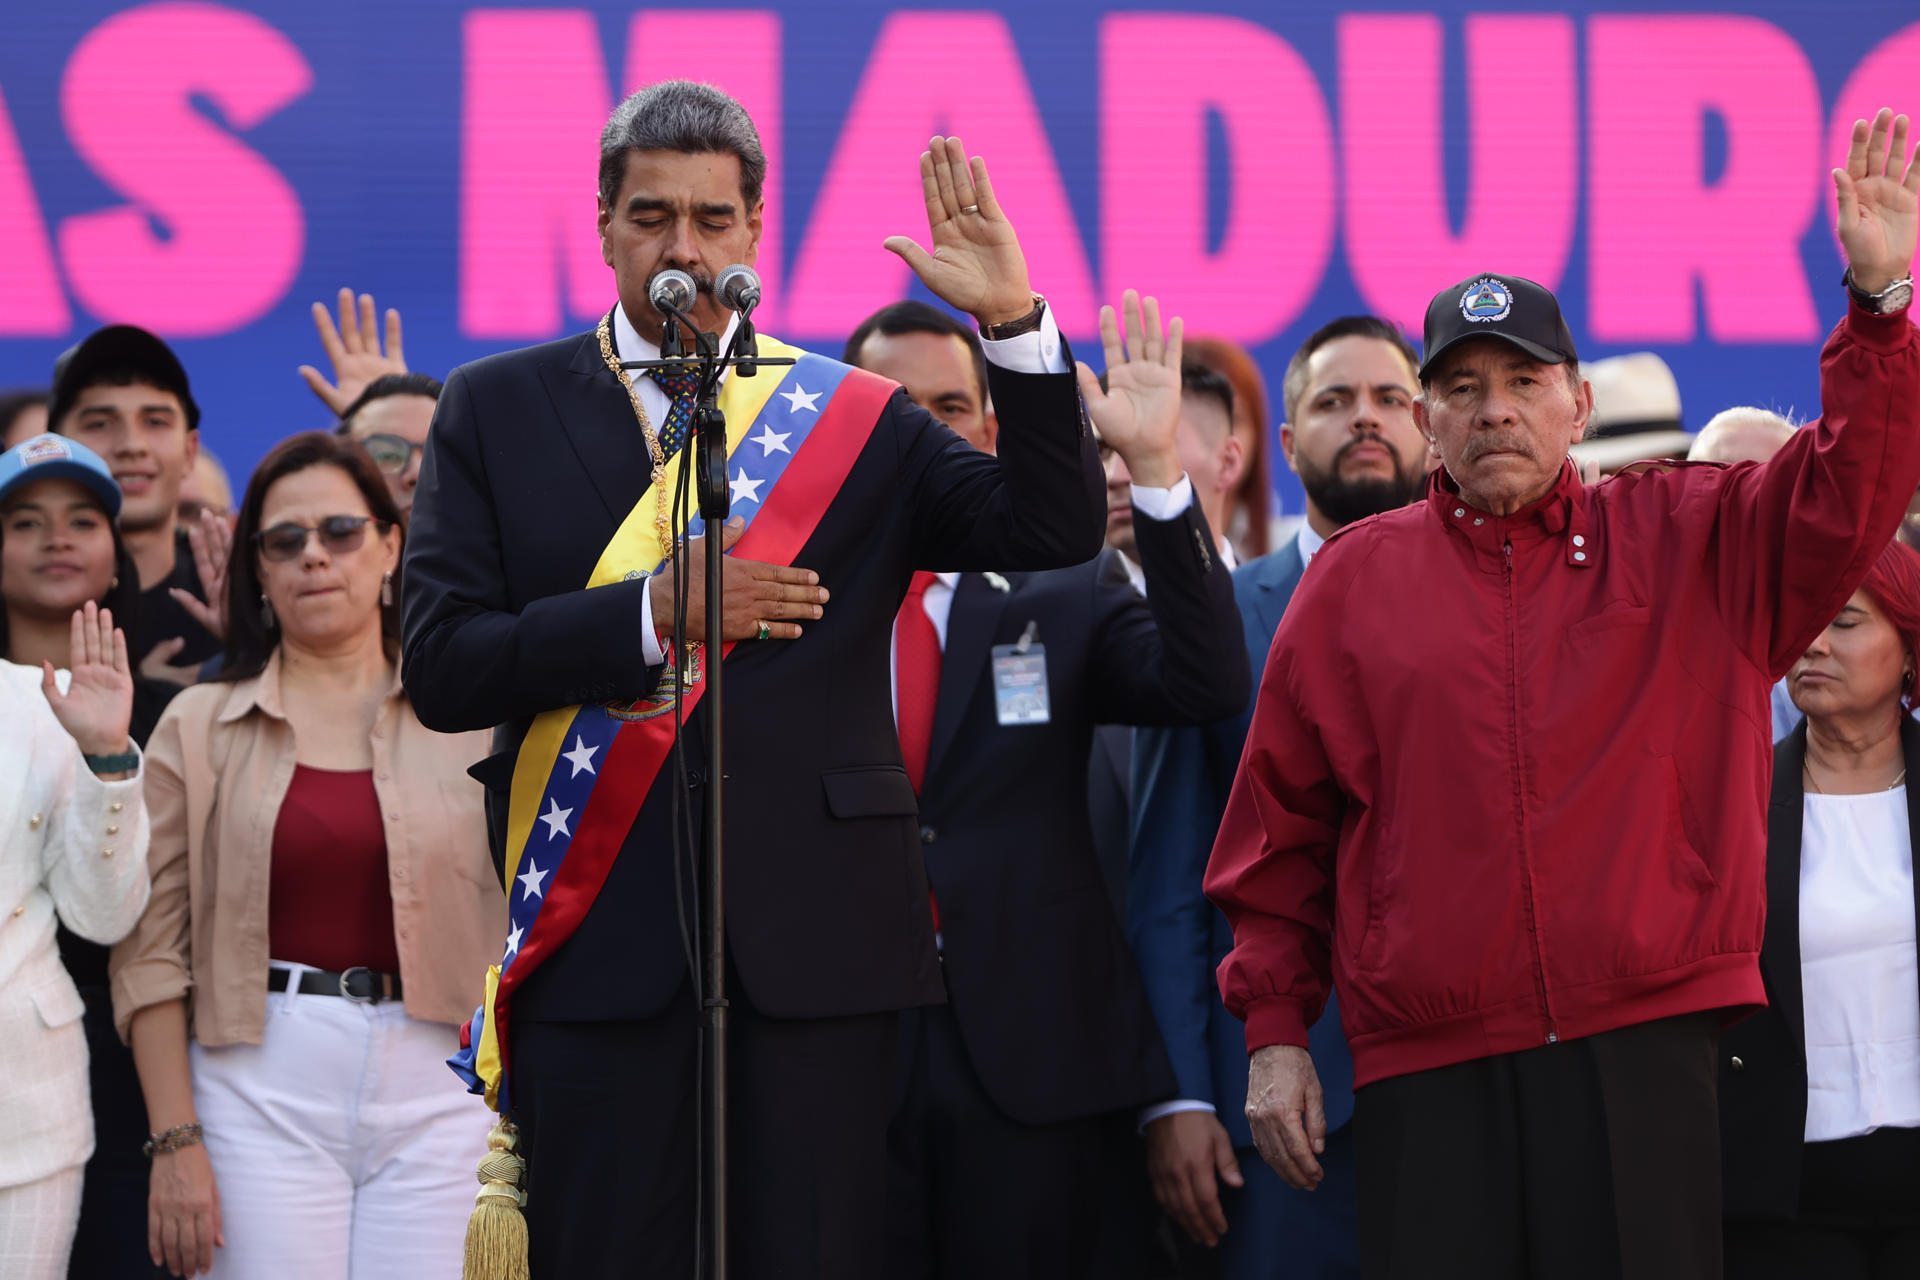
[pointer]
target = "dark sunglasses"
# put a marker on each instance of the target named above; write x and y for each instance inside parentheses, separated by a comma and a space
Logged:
(390, 453)
(338, 534)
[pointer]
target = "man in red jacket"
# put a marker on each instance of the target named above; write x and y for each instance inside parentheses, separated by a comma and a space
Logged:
(1506, 780)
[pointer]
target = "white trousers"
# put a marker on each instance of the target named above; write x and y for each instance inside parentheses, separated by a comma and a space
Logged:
(342, 1146)
(36, 1225)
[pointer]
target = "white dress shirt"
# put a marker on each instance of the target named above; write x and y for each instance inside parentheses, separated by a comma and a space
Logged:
(1036, 352)
(1309, 542)
(1858, 970)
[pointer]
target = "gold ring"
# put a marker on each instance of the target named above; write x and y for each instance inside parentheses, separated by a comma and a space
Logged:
(766, 632)
(969, 208)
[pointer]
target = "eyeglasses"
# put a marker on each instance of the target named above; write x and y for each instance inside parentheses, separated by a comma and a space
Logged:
(338, 534)
(391, 453)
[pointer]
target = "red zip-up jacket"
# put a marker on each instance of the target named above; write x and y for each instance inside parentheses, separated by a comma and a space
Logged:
(1507, 778)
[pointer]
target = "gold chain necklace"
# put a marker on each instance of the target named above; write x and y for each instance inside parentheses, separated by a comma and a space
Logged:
(662, 500)
(1806, 771)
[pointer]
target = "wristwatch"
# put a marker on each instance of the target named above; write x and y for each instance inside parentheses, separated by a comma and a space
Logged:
(1895, 297)
(1014, 328)
(119, 762)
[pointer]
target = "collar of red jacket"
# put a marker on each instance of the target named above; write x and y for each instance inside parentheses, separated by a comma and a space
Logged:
(1564, 513)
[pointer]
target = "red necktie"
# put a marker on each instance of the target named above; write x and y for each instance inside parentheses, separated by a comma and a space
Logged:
(916, 677)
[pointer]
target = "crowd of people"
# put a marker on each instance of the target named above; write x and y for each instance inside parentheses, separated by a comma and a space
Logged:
(1378, 891)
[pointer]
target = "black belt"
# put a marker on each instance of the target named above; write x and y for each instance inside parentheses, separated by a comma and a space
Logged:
(361, 985)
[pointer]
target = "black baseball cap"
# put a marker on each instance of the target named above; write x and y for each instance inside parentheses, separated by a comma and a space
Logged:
(118, 348)
(1489, 305)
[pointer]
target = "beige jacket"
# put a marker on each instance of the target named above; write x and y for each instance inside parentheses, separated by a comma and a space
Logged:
(218, 767)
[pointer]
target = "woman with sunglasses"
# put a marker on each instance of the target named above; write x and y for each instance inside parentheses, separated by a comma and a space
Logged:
(322, 888)
(73, 827)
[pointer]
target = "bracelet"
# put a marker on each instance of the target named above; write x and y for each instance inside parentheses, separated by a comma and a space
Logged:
(181, 1135)
(124, 762)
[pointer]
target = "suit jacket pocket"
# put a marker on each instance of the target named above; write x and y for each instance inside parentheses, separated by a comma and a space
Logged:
(57, 1001)
(869, 791)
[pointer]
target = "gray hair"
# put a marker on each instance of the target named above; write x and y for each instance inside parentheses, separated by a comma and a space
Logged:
(681, 115)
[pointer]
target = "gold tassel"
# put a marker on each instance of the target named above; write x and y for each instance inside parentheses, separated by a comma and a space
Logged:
(497, 1231)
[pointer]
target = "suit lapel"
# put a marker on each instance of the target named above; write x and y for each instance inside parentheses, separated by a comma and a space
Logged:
(597, 420)
(1780, 951)
(1277, 584)
(971, 624)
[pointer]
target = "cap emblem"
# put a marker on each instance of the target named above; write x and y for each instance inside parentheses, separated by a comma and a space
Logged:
(45, 449)
(1486, 300)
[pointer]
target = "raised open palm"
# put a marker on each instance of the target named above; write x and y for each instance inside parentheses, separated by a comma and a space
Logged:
(354, 351)
(1879, 202)
(97, 708)
(976, 265)
(1138, 414)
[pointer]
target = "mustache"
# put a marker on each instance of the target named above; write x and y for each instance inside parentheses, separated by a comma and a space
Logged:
(1370, 437)
(1498, 442)
(702, 279)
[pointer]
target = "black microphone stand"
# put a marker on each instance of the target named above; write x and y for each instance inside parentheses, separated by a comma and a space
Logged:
(708, 442)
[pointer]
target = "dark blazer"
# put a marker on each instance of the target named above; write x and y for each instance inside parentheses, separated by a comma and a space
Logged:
(534, 459)
(1046, 996)
(1180, 782)
(1763, 1100)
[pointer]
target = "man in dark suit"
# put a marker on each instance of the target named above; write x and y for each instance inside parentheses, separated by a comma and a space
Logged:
(1350, 436)
(997, 1136)
(537, 466)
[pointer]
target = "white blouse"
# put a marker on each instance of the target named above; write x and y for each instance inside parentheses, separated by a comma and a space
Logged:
(1859, 977)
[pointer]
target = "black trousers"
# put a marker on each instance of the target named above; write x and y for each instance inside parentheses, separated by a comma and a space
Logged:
(111, 1241)
(971, 1193)
(1594, 1159)
(1859, 1216)
(608, 1113)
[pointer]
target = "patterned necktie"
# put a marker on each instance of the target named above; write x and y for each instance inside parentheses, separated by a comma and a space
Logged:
(681, 389)
(916, 678)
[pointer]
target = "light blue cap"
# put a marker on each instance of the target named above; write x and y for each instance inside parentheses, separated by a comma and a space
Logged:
(52, 457)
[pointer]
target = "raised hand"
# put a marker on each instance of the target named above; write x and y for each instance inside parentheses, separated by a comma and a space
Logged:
(1138, 415)
(354, 351)
(976, 265)
(97, 708)
(212, 541)
(1879, 194)
(755, 594)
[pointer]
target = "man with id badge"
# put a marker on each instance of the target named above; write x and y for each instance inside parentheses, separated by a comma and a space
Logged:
(1004, 1094)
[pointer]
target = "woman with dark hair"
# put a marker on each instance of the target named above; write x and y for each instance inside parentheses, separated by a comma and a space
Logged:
(73, 835)
(60, 547)
(1820, 1091)
(301, 1116)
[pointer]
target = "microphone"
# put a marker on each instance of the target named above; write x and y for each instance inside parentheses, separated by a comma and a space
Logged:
(738, 288)
(670, 291)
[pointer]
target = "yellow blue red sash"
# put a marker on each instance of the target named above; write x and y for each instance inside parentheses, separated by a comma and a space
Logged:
(582, 773)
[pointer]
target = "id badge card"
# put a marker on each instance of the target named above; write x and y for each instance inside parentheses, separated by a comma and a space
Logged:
(1020, 683)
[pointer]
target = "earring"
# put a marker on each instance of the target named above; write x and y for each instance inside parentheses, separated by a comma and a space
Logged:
(386, 588)
(115, 584)
(266, 611)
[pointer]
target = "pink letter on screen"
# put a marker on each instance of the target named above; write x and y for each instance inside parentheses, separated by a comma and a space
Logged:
(738, 51)
(1160, 76)
(1884, 78)
(535, 100)
(934, 73)
(31, 304)
(235, 230)
(1656, 225)
(1522, 174)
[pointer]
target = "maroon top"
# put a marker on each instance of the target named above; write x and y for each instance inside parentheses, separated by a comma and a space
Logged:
(330, 905)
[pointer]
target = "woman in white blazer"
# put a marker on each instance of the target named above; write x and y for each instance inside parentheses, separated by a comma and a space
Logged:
(73, 841)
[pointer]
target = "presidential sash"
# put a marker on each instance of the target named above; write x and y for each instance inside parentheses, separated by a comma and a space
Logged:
(582, 773)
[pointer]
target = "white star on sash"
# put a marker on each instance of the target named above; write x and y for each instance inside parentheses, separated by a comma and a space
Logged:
(532, 878)
(745, 488)
(581, 757)
(556, 819)
(770, 440)
(513, 940)
(800, 398)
